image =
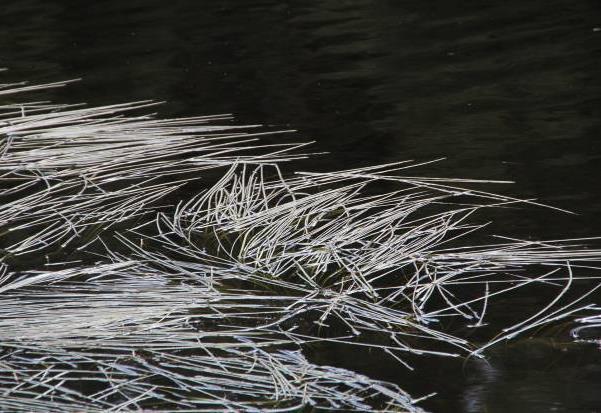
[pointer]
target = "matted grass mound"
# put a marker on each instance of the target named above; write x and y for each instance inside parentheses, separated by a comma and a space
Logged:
(174, 264)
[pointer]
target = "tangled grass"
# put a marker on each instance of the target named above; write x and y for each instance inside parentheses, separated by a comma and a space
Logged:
(124, 287)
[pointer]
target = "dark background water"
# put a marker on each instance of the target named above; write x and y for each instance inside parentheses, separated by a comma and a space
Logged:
(505, 90)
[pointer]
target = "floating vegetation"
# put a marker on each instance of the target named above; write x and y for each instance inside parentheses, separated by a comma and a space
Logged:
(589, 329)
(174, 265)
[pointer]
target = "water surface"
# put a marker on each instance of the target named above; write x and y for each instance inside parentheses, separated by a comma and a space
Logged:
(505, 90)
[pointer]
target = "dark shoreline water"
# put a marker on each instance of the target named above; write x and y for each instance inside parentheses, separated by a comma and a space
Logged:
(504, 90)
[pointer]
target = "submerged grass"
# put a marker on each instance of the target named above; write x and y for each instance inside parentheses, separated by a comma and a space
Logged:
(121, 291)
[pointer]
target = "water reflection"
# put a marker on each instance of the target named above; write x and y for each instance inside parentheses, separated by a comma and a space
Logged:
(535, 376)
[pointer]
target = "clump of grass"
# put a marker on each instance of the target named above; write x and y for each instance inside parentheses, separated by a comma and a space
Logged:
(152, 297)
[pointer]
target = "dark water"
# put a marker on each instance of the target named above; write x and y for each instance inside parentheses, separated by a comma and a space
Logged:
(504, 90)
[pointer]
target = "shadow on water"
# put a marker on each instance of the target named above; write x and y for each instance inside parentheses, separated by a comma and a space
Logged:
(505, 90)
